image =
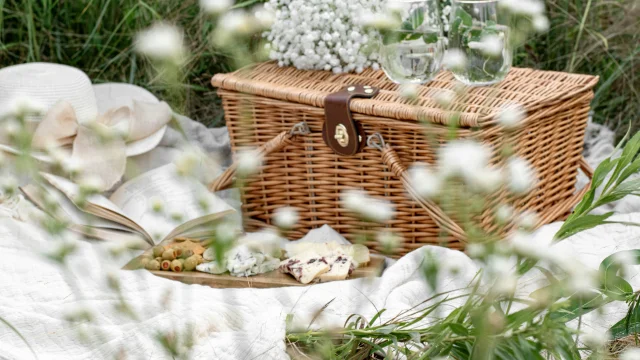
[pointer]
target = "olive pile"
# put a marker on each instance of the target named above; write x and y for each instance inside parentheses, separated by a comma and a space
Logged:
(171, 259)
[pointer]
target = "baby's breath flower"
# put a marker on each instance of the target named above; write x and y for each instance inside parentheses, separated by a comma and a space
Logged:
(249, 162)
(424, 180)
(521, 175)
(630, 353)
(523, 245)
(511, 115)
(454, 59)
(12, 127)
(331, 35)
(286, 217)
(215, 7)
(595, 339)
(367, 207)
(161, 42)
(236, 22)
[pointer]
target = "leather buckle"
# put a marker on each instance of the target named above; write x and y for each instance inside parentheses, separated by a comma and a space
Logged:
(339, 131)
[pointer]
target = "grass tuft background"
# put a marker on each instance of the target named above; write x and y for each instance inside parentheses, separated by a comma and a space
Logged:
(598, 37)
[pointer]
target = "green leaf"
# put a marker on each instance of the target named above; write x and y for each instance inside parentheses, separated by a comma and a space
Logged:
(458, 329)
(417, 17)
(464, 16)
(430, 38)
(376, 316)
(630, 187)
(630, 324)
(582, 223)
(633, 168)
(612, 284)
(629, 152)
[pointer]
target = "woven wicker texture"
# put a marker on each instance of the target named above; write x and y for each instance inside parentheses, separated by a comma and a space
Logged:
(264, 101)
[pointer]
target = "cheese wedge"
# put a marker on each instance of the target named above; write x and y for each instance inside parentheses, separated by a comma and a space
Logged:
(358, 253)
(341, 266)
(305, 267)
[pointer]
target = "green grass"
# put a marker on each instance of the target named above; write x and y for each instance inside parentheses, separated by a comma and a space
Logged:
(594, 37)
(586, 36)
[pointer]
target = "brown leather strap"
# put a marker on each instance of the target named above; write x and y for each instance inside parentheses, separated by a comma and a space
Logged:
(339, 131)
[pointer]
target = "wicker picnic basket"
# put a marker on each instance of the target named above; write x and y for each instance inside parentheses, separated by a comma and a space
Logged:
(307, 167)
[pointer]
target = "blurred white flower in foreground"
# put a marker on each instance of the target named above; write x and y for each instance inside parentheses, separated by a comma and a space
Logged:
(378, 20)
(161, 42)
(522, 176)
(528, 219)
(263, 16)
(595, 339)
(215, 6)
(630, 353)
(444, 97)
(511, 115)
(625, 260)
(523, 7)
(504, 213)
(248, 163)
(286, 217)
(540, 23)
(389, 242)
(19, 106)
(367, 207)
(454, 59)
(409, 91)
(491, 45)
(91, 184)
(424, 180)
(466, 159)
(236, 22)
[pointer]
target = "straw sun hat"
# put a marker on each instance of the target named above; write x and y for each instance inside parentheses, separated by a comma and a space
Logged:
(70, 101)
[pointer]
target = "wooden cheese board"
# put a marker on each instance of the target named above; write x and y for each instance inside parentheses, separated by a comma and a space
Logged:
(272, 279)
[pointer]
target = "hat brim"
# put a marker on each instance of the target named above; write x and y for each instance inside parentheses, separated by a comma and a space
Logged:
(109, 96)
(114, 95)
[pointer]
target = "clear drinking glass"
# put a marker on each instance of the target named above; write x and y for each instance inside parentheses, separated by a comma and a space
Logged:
(482, 36)
(412, 52)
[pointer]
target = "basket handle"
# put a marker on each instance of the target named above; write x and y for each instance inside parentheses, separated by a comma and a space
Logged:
(280, 141)
(554, 212)
(391, 159)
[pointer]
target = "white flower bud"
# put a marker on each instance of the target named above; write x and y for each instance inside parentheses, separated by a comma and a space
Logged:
(522, 177)
(454, 59)
(161, 42)
(286, 217)
(368, 208)
(248, 163)
(425, 181)
(630, 353)
(511, 115)
(215, 7)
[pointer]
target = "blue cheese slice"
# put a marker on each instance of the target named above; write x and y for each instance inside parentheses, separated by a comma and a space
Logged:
(242, 261)
(305, 267)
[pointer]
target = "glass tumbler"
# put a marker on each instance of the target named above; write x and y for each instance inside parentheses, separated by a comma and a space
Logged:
(412, 51)
(478, 33)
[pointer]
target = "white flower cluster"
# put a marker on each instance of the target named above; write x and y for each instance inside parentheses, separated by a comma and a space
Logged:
(322, 34)
(161, 42)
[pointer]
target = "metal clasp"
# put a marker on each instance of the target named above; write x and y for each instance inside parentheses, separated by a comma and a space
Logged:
(341, 135)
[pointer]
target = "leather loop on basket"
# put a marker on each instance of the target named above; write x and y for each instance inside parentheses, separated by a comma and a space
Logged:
(393, 162)
(339, 131)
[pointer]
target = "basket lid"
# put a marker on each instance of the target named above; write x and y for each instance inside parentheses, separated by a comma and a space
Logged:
(477, 106)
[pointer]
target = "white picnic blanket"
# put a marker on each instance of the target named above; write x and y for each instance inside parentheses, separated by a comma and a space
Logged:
(37, 295)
